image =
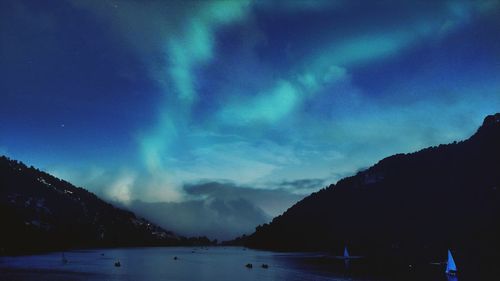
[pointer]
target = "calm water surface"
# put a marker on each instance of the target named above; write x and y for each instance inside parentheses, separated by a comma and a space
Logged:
(151, 264)
(214, 263)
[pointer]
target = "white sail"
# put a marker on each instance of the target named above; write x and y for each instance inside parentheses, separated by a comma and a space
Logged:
(450, 265)
(346, 253)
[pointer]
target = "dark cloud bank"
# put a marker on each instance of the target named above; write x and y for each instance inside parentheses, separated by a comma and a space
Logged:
(219, 210)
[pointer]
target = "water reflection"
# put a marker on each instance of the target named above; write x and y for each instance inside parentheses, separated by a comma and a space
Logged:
(182, 264)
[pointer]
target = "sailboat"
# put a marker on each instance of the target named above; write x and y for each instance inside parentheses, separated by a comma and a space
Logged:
(346, 253)
(347, 256)
(451, 267)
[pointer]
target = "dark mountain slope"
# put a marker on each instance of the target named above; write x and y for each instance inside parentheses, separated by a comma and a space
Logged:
(39, 212)
(406, 207)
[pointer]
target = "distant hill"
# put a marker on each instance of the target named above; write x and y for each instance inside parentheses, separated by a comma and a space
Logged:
(39, 212)
(214, 218)
(408, 208)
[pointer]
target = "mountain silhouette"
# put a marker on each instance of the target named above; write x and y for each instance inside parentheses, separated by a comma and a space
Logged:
(407, 208)
(39, 212)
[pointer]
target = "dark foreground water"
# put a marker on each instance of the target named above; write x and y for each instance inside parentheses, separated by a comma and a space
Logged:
(214, 263)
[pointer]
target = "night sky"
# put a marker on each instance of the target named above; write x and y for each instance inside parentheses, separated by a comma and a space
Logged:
(231, 111)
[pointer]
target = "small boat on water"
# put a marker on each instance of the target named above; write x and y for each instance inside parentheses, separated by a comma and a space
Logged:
(347, 256)
(64, 259)
(451, 267)
(117, 263)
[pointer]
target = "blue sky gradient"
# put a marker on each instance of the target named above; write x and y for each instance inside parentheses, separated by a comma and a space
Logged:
(137, 100)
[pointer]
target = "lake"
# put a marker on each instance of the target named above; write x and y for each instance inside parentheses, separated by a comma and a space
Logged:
(158, 263)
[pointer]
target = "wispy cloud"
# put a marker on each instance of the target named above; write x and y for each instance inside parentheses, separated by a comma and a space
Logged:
(271, 201)
(194, 45)
(214, 218)
(303, 184)
(221, 210)
(287, 112)
(266, 107)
